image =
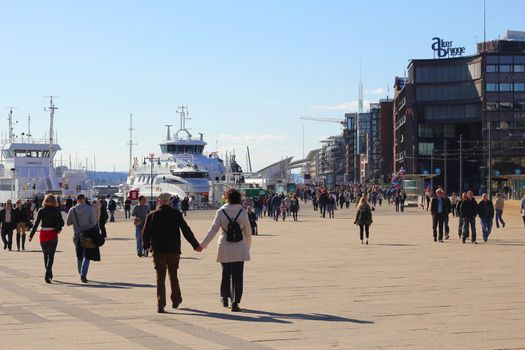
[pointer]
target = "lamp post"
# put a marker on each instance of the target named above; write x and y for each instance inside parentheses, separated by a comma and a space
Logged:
(151, 159)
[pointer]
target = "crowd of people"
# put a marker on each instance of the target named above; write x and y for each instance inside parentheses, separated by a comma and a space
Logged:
(157, 230)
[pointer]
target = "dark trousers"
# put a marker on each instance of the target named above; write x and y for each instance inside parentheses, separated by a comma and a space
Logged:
(102, 226)
(294, 215)
(232, 280)
(49, 248)
(468, 221)
(438, 221)
(364, 227)
(111, 216)
(7, 235)
(169, 262)
(499, 217)
(323, 210)
(127, 213)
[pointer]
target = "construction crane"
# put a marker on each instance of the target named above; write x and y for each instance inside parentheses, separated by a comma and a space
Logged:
(326, 120)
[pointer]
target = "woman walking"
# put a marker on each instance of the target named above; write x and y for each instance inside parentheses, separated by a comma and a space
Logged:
(363, 218)
(103, 217)
(50, 219)
(22, 221)
(234, 246)
(294, 207)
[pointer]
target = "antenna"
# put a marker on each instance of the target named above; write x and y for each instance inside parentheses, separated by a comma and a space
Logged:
(10, 122)
(183, 112)
(168, 137)
(131, 143)
(360, 88)
(484, 23)
(29, 125)
(51, 110)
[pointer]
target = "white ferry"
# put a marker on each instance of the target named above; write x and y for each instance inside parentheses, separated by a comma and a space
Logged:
(27, 167)
(181, 168)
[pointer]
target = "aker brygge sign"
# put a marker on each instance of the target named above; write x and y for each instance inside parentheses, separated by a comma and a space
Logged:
(443, 48)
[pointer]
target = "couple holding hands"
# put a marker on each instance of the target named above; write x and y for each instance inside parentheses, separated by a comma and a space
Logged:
(161, 234)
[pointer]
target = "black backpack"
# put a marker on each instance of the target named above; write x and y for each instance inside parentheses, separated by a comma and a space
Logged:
(234, 231)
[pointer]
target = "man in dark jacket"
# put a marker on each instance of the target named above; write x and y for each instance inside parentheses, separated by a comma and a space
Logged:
(486, 214)
(439, 208)
(112, 207)
(469, 210)
(162, 233)
(276, 203)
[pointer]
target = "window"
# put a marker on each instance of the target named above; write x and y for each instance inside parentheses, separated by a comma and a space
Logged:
(505, 106)
(519, 68)
(519, 106)
(504, 87)
(491, 106)
(492, 68)
(505, 68)
(519, 87)
(492, 87)
(426, 148)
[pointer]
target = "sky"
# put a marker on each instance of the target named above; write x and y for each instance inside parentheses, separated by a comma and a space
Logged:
(247, 70)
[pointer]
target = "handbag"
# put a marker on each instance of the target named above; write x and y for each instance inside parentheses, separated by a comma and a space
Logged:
(90, 238)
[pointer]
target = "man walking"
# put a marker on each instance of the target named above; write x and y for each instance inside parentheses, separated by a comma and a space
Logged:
(139, 214)
(439, 208)
(469, 210)
(8, 221)
(112, 206)
(498, 207)
(162, 233)
(486, 214)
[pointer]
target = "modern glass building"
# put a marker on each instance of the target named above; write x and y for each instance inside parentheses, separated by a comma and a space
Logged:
(443, 111)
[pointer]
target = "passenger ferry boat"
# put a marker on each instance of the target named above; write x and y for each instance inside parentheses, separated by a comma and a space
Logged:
(27, 167)
(181, 168)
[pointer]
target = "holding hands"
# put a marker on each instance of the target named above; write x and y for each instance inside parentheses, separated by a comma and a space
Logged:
(199, 249)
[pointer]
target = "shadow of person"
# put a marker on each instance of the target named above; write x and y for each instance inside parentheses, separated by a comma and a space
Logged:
(109, 285)
(250, 315)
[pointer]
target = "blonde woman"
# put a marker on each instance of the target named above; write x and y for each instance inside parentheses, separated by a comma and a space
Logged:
(363, 218)
(51, 222)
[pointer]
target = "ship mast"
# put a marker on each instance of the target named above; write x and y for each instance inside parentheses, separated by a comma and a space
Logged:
(51, 110)
(183, 112)
(11, 135)
(131, 143)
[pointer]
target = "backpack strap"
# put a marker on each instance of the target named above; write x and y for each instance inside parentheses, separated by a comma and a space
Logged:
(224, 212)
(239, 213)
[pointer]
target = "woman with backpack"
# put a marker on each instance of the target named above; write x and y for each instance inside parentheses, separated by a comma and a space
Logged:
(363, 218)
(231, 220)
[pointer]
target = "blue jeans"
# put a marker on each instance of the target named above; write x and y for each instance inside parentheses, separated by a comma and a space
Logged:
(138, 237)
(499, 217)
(82, 263)
(486, 227)
(469, 222)
(83, 266)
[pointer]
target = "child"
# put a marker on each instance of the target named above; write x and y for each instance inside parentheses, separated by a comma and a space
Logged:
(253, 220)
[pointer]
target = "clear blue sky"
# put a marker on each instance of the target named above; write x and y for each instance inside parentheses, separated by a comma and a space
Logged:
(246, 69)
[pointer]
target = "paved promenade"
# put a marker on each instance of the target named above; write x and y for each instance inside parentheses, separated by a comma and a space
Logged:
(311, 285)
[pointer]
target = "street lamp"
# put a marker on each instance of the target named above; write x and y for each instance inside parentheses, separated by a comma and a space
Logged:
(152, 161)
(13, 181)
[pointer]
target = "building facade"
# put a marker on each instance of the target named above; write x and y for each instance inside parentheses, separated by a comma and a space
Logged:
(461, 111)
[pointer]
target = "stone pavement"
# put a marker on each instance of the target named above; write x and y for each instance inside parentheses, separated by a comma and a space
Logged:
(311, 285)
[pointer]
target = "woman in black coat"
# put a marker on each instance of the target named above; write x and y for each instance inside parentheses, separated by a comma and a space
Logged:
(103, 217)
(363, 218)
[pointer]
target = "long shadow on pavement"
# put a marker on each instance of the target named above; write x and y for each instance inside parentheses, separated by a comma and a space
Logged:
(98, 284)
(272, 317)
